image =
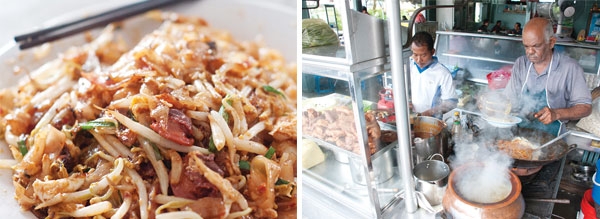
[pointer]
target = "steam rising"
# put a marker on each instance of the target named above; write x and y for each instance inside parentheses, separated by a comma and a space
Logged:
(487, 180)
(526, 107)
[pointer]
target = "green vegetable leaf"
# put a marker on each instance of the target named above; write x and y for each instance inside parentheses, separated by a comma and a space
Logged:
(270, 152)
(94, 124)
(156, 151)
(131, 115)
(222, 109)
(281, 182)
(211, 146)
(22, 146)
(268, 88)
(244, 165)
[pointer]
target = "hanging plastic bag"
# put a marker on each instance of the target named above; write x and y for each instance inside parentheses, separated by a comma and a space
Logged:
(316, 32)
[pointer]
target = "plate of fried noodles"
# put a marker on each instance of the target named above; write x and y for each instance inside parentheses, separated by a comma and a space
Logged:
(187, 112)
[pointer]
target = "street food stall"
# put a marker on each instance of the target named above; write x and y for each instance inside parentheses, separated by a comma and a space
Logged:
(366, 156)
(359, 178)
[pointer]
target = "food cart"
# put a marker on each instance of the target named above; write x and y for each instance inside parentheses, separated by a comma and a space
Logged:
(360, 182)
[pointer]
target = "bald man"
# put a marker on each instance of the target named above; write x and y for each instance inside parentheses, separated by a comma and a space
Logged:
(547, 88)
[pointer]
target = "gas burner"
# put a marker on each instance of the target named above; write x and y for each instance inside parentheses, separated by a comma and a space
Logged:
(582, 173)
(526, 175)
(580, 177)
(526, 171)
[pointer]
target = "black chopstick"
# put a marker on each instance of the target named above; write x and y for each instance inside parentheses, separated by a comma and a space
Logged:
(63, 30)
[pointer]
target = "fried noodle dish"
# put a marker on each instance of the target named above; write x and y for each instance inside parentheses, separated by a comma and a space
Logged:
(188, 124)
(518, 148)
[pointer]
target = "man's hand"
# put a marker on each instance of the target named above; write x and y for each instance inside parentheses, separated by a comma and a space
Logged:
(546, 116)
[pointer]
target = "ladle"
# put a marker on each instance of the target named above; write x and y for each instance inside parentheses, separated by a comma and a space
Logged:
(554, 140)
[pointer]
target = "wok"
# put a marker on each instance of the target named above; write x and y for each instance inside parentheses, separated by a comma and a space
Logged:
(548, 154)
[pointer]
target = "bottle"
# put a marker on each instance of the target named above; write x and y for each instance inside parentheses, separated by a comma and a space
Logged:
(456, 128)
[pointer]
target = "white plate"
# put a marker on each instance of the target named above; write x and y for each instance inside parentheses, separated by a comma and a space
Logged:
(505, 123)
(272, 21)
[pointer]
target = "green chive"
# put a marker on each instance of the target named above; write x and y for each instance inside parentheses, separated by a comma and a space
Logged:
(270, 152)
(131, 115)
(93, 124)
(268, 88)
(156, 151)
(222, 109)
(211, 146)
(281, 182)
(244, 165)
(22, 147)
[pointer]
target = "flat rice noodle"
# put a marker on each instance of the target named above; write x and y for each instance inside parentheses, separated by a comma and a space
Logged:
(209, 207)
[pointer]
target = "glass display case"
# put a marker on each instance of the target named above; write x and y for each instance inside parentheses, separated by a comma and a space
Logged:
(479, 54)
(355, 173)
(358, 180)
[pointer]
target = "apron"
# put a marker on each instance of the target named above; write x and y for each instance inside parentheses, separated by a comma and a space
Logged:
(554, 127)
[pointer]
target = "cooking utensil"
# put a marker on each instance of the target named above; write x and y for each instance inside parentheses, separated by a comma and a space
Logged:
(554, 140)
(553, 152)
(431, 177)
(383, 167)
(456, 205)
(435, 137)
(550, 200)
(63, 30)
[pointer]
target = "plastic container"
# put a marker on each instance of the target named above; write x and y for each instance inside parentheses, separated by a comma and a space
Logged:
(498, 79)
(596, 188)
(587, 206)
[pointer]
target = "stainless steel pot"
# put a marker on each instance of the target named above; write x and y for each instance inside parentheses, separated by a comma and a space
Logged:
(383, 166)
(435, 136)
(431, 178)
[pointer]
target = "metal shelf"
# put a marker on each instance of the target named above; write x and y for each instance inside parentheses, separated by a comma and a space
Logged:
(350, 154)
(583, 140)
(473, 50)
(333, 179)
(478, 58)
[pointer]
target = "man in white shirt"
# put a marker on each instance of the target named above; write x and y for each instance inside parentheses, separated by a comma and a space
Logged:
(432, 90)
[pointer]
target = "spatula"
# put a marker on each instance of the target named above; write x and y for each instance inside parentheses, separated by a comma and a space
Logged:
(554, 140)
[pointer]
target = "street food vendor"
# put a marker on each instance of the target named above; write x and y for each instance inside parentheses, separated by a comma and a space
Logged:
(432, 90)
(547, 88)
